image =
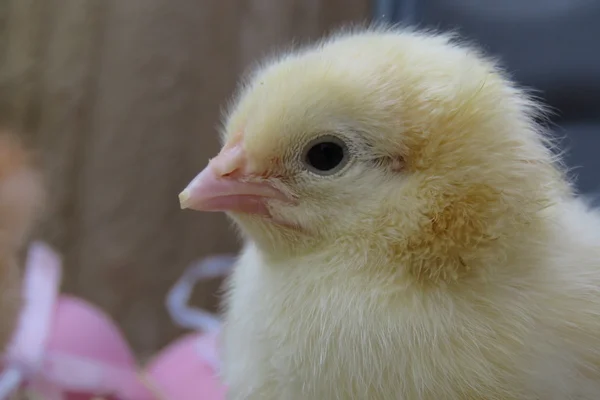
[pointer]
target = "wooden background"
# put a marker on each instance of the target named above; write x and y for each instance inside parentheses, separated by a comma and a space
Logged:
(121, 98)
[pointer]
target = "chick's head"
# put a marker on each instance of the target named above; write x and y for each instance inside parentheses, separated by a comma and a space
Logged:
(397, 144)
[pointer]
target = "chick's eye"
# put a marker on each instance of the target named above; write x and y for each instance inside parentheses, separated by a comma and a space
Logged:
(325, 155)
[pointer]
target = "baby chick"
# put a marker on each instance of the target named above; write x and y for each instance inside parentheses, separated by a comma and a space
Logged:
(20, 201)
(409, 232)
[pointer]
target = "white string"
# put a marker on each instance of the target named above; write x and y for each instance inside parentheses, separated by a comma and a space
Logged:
(10, 380)
(178, 297)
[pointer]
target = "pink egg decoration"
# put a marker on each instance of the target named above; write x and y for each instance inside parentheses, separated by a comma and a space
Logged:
(94, 342)
(180, 373)
(65, 348)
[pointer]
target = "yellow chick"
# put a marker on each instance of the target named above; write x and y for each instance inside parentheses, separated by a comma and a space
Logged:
(410, 234)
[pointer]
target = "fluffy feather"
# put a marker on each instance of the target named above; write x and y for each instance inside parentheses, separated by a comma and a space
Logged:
(448, 260)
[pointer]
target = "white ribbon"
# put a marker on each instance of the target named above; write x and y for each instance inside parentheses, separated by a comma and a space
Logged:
(194, 318)
(178, 297)
(40, 288)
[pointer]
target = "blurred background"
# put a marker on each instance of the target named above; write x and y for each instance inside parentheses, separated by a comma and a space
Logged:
(121, 99)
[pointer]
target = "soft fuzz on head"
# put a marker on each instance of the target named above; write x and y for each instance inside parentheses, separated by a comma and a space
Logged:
(446, 166)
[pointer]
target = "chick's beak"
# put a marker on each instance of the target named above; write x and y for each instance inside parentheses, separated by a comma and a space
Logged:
(225, 185)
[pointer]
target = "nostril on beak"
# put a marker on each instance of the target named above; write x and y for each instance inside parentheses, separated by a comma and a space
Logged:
(229, 163)
(231, 174)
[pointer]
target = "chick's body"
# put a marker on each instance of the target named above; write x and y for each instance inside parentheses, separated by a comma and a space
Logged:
(444, 258)
(296, 331)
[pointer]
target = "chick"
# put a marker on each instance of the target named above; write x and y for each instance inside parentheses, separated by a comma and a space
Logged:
(21, 197)
(410, 232)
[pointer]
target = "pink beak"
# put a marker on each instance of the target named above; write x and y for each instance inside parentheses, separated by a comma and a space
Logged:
(224, 185)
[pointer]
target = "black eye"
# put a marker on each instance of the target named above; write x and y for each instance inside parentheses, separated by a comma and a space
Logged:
(326, 155)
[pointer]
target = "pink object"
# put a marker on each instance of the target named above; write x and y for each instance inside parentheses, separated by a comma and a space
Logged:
(66, 349)
(178, 370)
